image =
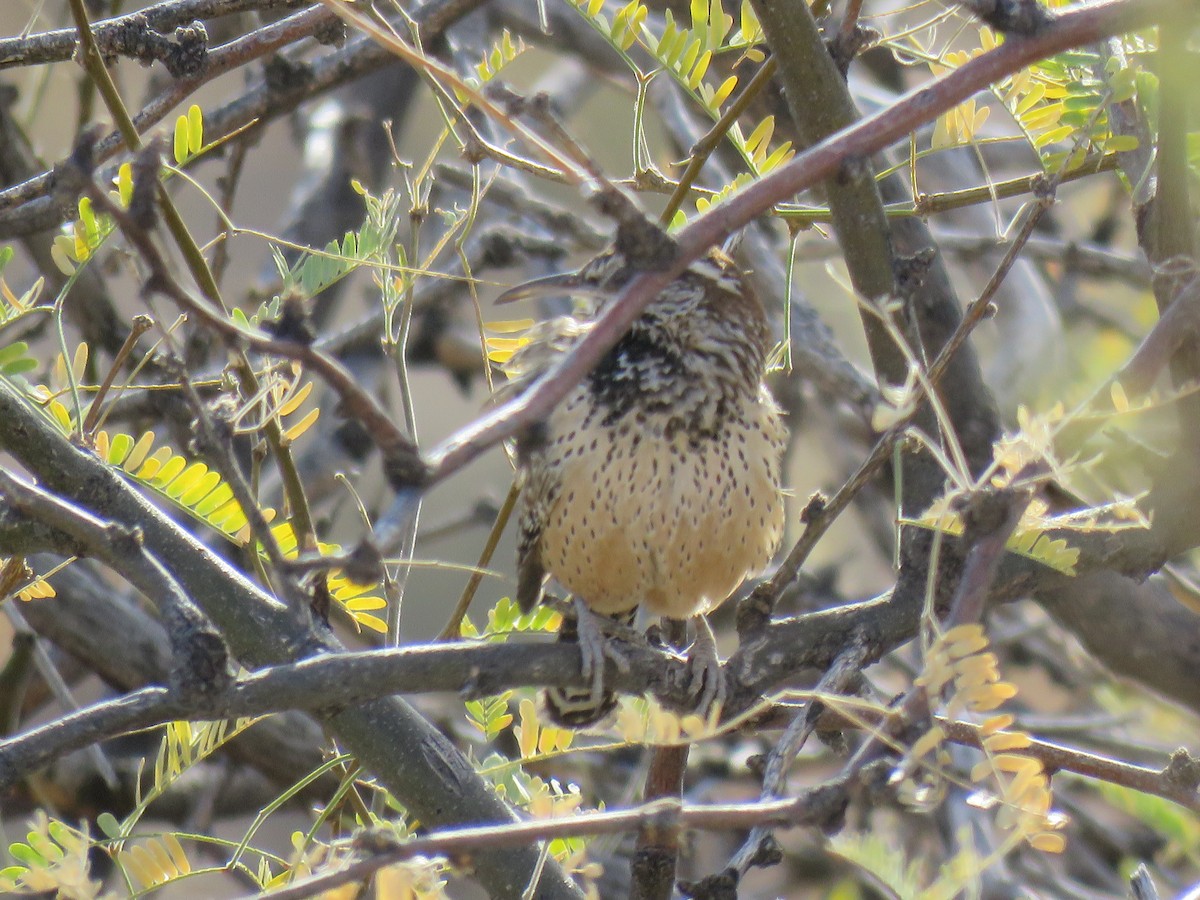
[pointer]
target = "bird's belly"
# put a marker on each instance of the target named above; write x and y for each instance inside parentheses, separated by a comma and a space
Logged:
(676, 526)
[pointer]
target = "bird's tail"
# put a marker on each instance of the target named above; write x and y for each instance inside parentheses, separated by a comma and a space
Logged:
(575, 707)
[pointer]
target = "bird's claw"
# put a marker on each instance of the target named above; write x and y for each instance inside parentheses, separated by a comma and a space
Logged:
(706, 680)
(595, 648)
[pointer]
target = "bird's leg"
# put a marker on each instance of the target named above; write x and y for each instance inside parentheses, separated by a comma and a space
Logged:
(707, 682)
(594, 647)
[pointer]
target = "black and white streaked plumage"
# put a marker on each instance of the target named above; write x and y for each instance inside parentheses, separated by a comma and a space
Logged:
(655, 482)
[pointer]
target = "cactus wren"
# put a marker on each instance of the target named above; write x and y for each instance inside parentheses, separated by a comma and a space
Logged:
(656, 481)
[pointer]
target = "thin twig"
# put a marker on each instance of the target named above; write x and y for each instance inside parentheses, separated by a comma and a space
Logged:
(141, 324)
(712, 139)
(454, 624)
(385, 850)
(836, 680)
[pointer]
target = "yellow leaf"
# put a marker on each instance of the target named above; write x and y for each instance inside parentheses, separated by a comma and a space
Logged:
(1121, 143)
(697, 75)
(219, 496)
(1119, 399)
(79, 362)
(689, 55)
(927, 743)
(361, 604)
(237, 526)
(201, 489)
(1053, 137)
(125, 183)
(1048, 842)
(185, 480)
(151, 466)
(226, 514)
(170, 471)
(60, 414)
(1007, 740)
(180, 149)
(760, 137)
(964, 640)
(727, 87)
(293, 402)
(1011, 762)
(285, 537)
(138, 454)
(527, 731)
(178, 857)
(302, 426)
(62, 253)
(996, 723)
(376, 624)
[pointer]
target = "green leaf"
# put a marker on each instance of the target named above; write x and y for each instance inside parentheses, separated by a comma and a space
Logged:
(1121, 143)
(27, 855)
(1081, 59)
(12, 352)
(109, 825)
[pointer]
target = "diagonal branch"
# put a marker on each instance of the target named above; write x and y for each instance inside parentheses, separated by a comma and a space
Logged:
(1071, 28)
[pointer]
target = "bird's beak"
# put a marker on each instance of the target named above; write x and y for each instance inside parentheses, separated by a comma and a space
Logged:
(564, 284)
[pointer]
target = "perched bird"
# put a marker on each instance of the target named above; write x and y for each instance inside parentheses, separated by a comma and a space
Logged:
(655, 482)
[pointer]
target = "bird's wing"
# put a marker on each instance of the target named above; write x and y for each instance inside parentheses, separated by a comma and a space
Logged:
(542, 346)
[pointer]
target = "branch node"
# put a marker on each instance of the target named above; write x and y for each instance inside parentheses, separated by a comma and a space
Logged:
(332, 34)
(911, 271)
(133, 36)
(403, 466)
(201, 665)
(294, 323)
(364, 565)
(284, 77)
(844, 46)
(754, 613)
(815, 508)
(124, 539)
(71, 176)
(646, 246)
(1183, 770)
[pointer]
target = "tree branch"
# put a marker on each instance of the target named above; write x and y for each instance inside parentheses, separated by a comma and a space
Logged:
(112, 34)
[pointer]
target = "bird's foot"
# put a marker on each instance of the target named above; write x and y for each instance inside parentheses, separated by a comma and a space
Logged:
(707, 681)
(595, 647)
